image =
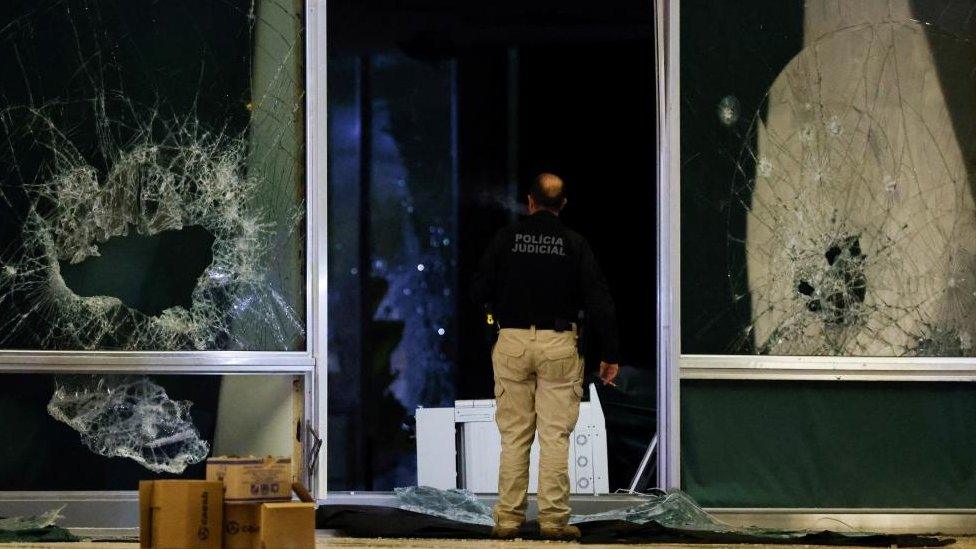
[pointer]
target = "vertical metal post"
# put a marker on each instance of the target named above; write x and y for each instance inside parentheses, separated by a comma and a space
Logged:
(317, 269)
(668, 235)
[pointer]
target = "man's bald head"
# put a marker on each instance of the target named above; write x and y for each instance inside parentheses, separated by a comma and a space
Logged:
(548, 192)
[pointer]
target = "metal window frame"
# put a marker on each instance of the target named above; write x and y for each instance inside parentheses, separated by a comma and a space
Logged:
(116, 509)
(316, 144)
(826, 368)
(673, 367)
(668, 244)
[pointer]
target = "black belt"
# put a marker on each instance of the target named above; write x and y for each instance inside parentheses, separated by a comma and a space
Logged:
(557, 325)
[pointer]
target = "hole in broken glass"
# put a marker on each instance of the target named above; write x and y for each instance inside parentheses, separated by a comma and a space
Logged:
(168, 176)
(842, 287)
(149, 273)
(840, 182)
(124, 132)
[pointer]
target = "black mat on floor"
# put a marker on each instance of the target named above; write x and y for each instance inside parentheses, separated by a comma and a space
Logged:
(390, 522)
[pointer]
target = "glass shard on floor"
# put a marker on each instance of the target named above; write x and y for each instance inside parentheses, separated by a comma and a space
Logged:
(674, 510)
(452, 504)
(18, 524)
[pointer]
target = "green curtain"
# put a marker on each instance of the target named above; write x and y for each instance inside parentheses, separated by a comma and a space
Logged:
(829, 444)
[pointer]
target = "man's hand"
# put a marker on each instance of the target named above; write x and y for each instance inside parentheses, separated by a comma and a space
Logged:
(608, 373)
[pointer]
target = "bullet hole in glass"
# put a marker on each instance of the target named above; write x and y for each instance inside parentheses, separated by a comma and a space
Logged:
(840, 291)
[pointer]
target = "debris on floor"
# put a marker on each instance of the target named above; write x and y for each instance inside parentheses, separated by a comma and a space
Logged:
(673, 516)
(35, 528)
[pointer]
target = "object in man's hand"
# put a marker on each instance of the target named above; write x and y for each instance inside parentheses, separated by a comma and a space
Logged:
(608, 373)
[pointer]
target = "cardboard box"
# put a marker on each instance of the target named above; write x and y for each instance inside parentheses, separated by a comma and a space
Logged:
(287, 526)
(269, 525)
(242, 522)
(251, 478)
(180, 514)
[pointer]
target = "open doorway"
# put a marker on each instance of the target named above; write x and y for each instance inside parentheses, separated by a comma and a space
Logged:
(439, 117)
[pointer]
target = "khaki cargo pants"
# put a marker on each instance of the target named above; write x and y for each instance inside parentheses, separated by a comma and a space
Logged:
(538, 385)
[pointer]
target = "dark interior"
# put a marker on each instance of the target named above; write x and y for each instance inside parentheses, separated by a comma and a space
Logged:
(566, 87)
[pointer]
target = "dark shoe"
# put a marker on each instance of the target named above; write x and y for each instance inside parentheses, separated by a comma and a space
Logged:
(560, 533)
(504, 532)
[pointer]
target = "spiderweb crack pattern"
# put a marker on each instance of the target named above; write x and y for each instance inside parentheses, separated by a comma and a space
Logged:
(859, 206)
(119, 120)
(97, 163)
(170, 175)
(129, 417)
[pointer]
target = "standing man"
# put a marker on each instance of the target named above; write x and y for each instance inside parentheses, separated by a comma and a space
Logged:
(536, 276)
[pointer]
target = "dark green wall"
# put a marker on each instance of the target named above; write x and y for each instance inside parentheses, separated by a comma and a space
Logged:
(829, 444)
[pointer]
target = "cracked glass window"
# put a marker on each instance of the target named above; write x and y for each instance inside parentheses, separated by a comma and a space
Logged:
(129, 417)
(152, 175)
(828, 178)
(107, 432)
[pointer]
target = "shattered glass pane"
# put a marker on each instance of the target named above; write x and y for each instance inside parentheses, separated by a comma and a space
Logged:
(119, 121)
(452, 504)
(129, 417)
(19, 524)
(674, 510)
(851, 220)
